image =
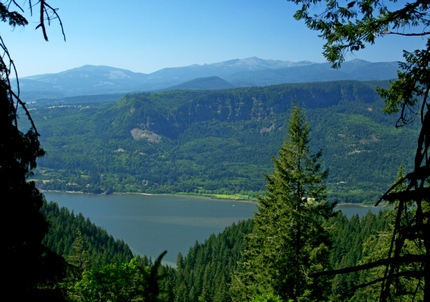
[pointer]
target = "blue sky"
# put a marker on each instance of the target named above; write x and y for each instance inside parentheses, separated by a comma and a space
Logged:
(148, 35)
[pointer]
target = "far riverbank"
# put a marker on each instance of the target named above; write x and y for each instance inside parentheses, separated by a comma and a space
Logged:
(232, 197)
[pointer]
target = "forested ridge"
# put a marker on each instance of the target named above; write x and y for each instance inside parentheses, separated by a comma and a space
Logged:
(218, 142)
(67, 228)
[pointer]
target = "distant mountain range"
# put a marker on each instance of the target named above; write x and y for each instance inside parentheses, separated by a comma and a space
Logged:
(250, 72)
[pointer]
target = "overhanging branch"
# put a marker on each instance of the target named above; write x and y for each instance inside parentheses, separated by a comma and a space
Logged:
(407, 35)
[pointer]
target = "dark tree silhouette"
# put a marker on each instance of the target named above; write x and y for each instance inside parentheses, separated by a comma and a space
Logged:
(26, 264)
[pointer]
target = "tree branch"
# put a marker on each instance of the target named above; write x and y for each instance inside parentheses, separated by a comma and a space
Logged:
(45, 9)
(407, 35)
(13, 95)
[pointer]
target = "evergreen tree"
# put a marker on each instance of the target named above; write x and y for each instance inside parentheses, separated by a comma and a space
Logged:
(79, 256)
(288, 241)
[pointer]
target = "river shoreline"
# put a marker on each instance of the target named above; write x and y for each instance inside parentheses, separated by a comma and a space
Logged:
(206, 196)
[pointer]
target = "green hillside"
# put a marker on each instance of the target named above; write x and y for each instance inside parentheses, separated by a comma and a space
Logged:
(220, 142)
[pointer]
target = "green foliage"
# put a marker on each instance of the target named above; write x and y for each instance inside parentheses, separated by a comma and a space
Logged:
(111, 282)
(288, 242)
(407, 93)
(348, 249)
(127, 281)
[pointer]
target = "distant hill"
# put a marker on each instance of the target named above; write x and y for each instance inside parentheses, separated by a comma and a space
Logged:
(209, 83)
(85, 80)
(251, 72)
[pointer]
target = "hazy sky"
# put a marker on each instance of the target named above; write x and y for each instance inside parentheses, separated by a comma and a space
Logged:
(148, 35)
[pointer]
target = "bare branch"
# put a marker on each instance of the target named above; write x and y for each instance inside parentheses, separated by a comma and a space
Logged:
(42, 19)
(407, 35)
(16, 4)
(45, 11)
(57, 16)
(14, 96)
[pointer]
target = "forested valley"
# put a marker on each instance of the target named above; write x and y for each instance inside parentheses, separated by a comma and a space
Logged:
(205, 272)
(218, 143)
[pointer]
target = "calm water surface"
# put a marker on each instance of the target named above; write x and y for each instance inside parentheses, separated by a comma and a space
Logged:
(150, 224)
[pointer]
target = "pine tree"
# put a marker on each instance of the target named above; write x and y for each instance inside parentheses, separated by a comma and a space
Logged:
(288, 241)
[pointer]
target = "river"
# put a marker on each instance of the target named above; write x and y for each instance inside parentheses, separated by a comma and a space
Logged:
(150, 224)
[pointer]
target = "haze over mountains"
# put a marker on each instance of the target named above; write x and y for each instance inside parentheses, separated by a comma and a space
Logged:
(250, 72)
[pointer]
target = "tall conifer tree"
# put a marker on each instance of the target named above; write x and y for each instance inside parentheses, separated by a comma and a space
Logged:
(288, 241)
